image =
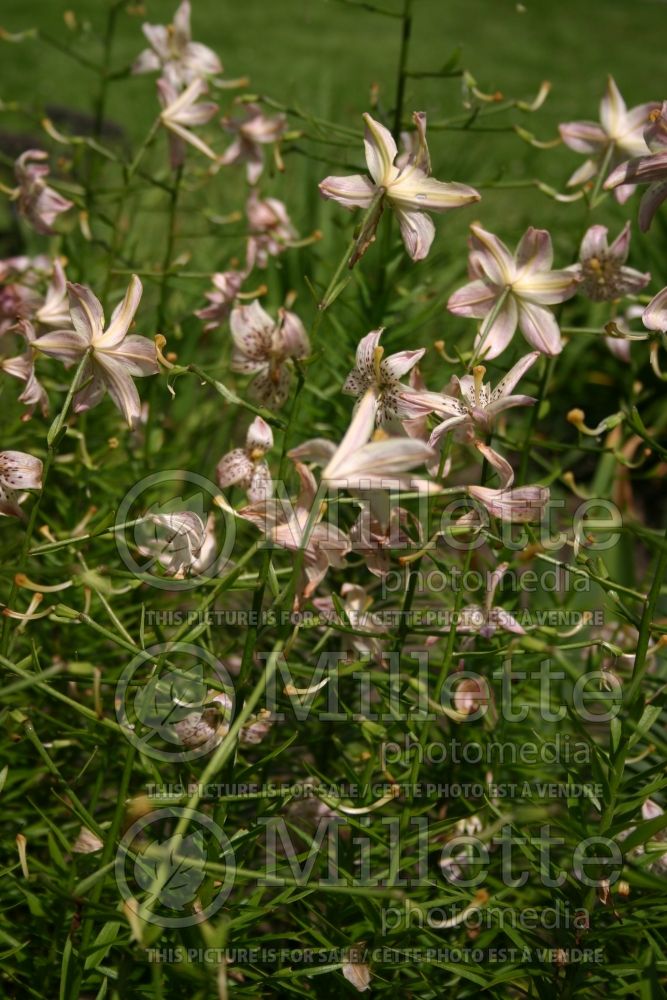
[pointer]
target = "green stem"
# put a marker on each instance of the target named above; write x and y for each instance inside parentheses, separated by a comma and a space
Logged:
(402, 64)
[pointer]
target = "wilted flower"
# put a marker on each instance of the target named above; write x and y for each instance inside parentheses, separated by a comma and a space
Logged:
(207, 728)
(256, 728)
(513, 290)
(18, 471)
(252, 131)
(357, 972)
(262, 347)
(271, 230)
(382, 375)
(648, 166)
(172, 50)
(114, 358)
(247, 466)
(409, 189)
(618, 136)
(602, 267)
(487, 618)
(227, 285)
(180, 112)
(38, 202)
(479, 404)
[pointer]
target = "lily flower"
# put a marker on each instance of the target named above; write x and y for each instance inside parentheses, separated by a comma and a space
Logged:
(285, 525)
(54, 311)
(114, 358)
(39, 203)
(18, 471)
(23, 368)
(172, 49)
(262, 347)
(617, 137)
(247, 466)
(180, 112)
(479, 404)
(359, 463)
(513, 290)
(179, 541)
(408, 188)
(252, 131)
(227, 285)
(525, 504)
(649, 167)
(602, 269)
(654, 316)
(382, 375)
(271, 230)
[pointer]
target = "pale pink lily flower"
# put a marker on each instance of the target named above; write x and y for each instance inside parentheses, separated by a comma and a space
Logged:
(172, 49)
(227, 285)
(619, 135)
(263, 347)
(382, 375)
(378, 530)
(526, 284)
(17, 302)
(654, 316)
(479, 404)
(23, 368)
(18, 471)
(488, 618)
(247, 466)
(524, 504)
(602, 269)
(408, 188)
(180, 113)
(114, 358)
(359, 463)
(271, 230)
(253, 131)
(39, 203)
(648, 166)
(54, 311)
(285, 525)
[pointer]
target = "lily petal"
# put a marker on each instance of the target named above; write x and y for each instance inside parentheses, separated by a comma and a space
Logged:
(355, 191)
(380, 149)
(539, 327)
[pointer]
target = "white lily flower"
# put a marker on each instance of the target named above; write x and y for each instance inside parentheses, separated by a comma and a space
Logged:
(114, 358)
(408, 188)
(246, 466)
(54, 311)
(172, 49)
(488, 618)
(180, 112)
(383, 375)
(601, 266)
(226, 285)
(479, 403)
(18, 471)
